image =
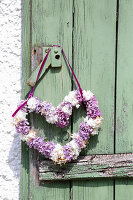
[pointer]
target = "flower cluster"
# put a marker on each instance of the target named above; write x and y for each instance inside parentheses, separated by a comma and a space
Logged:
(92, 108)
(45, 148)
(60, 116)
(23, 127)
(63, 119)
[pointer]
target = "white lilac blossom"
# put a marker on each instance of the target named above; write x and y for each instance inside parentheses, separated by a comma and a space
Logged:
(57, 155)
(52, 116)
(28, 137)
(60, 116)
(66, 107)
(52, 119)
(95, 132)
(71, 98)
(87, 95)
(31, 104)
(94, 123)
(75, 149)
(20, 116)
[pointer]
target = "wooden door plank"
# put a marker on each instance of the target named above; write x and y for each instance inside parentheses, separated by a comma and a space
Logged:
(94, 65)
(124, 189)
(53, 191)
(124, 112)
(26, 46)
(124, 97)
(51, 24)
(89, 190)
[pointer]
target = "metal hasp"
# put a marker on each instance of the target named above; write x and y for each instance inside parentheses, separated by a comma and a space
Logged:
(54, 60)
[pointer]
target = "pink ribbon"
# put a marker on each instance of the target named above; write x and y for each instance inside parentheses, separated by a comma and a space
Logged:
(40, 70)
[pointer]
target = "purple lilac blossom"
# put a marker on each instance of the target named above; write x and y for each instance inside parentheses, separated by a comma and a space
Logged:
(51, 112)
(48, 148)
(46, 108)
(36, 143)
(79, 97)
(85, 130)
(63, 118)
(43, 147)
(23, 127)
(39, 105)
(80, 142)
(67, 152)
(92, 108)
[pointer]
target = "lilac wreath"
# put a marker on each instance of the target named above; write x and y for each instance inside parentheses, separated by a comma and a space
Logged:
(60, 116)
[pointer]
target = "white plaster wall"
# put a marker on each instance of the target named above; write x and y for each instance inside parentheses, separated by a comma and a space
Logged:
(10, 94)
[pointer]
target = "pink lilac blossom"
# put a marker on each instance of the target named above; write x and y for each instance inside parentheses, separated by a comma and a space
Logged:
(63, 118)
(93, 108)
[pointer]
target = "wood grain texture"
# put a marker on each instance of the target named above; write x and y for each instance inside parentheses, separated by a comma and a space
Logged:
(124, 112)
(93, 190)
(124, 97)
(124, 189)
(51, 24)
(94, 64)
(26, 46)
(92, 166)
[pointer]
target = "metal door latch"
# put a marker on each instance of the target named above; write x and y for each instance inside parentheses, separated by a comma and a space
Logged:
(54, 60)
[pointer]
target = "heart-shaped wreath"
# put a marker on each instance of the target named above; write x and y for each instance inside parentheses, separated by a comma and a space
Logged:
(59, 116)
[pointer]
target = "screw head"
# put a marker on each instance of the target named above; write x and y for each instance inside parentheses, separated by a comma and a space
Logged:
(55, 50)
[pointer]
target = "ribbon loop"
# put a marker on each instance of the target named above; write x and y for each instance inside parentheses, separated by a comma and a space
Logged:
(40, 70)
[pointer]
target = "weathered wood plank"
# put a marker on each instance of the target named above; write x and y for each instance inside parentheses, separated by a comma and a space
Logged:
(91, 166)
(124, 97)
(124, 189)
(124, 112)
(26, 46)
(51, 24)
(94, 65)
(93, 190)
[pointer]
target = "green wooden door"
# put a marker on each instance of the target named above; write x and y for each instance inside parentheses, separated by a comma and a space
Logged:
(97, 37)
